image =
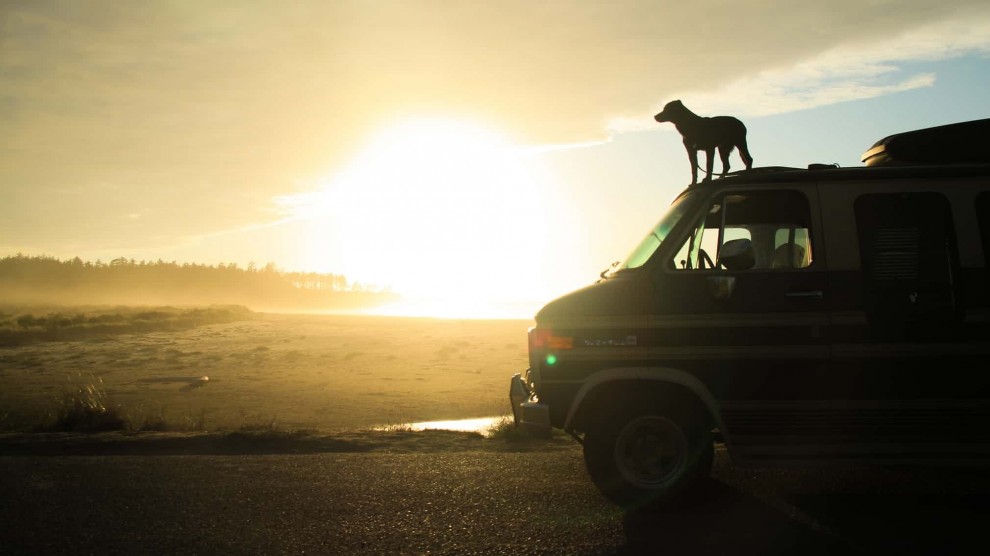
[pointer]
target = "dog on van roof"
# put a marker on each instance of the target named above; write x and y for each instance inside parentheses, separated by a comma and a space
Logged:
(707, 134)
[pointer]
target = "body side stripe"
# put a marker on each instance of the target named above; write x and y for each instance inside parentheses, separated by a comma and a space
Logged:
(694, 353)
(718, 320)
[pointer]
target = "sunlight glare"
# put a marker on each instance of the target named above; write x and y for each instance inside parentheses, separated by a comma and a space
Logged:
(438, 210)
(481, 425)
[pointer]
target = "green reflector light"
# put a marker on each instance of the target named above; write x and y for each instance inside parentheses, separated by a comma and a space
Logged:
(551, 359)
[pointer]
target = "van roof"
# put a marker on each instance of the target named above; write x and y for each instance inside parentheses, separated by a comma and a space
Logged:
(957, 150)
(821, 172)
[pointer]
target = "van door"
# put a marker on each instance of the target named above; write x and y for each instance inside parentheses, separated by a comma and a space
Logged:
(742, 302)
(909, 367)
(913, 376)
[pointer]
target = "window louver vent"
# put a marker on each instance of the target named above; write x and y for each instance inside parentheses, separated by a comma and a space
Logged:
(896, 254)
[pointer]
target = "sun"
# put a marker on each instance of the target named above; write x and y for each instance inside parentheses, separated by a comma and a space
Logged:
(450, 214)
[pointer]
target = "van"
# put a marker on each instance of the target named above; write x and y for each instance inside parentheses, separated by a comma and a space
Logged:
(795, 315)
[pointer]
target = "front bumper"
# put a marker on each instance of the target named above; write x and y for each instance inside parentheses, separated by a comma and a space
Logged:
(528, 414)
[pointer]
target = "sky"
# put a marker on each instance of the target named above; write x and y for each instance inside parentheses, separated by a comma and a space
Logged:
(473, 151)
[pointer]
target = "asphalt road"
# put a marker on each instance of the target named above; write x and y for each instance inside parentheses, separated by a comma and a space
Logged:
(466, 502)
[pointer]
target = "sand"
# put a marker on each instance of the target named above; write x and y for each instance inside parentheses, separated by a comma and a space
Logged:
(328, 373)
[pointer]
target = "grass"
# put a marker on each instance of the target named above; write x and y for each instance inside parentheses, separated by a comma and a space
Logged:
(155, 423)
(504, 428)
(158, 421)
(20, 328)
(395, 427)
(86, 409)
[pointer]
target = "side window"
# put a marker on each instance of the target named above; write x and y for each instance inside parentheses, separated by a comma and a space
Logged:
(791, 248)
(983, 215)
(757, 230)
(908, 249)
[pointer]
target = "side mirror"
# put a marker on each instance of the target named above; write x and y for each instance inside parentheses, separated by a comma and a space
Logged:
(737, 254)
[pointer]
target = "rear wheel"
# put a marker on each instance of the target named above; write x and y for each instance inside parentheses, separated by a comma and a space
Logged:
(650, 451)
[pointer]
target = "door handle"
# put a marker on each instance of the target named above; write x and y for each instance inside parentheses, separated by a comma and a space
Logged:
(816, 294)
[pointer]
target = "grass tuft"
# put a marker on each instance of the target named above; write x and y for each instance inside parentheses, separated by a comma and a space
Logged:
(85, 409)
(155, 422)
(505, 428)
(158, 420)
(395, 427)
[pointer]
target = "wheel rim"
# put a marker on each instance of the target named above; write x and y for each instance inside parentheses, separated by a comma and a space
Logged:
(650, 452)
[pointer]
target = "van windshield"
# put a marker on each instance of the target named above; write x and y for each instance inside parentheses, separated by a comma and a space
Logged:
(652, 241)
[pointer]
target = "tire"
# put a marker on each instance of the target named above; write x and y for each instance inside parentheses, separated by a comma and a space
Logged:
(647, 452)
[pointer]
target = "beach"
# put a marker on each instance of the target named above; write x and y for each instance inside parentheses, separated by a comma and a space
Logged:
(320, 372)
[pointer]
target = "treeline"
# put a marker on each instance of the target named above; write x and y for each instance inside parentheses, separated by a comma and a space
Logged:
(48, 280)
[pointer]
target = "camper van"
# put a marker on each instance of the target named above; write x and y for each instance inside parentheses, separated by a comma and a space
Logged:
(796, 316)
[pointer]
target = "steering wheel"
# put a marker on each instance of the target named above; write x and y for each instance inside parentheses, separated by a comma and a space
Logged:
(704, 259)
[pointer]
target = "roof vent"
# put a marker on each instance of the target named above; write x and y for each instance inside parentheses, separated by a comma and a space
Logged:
(962, 143)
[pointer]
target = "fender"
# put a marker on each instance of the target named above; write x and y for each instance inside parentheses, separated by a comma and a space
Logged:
(656, 374)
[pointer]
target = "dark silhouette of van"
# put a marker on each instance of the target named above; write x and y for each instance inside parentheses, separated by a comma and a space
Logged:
(797, 315)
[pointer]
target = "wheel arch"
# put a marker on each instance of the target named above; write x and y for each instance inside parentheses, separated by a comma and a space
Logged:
(661, 379)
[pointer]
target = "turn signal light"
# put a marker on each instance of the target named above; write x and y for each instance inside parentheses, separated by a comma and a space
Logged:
(560, 342)
(545, 338)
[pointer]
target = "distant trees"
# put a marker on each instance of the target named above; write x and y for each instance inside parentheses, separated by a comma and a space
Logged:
(44, 279)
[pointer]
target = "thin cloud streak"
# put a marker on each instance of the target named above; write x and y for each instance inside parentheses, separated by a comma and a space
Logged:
(845, 73)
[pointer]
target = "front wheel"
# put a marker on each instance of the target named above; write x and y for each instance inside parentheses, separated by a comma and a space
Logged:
(648, 452)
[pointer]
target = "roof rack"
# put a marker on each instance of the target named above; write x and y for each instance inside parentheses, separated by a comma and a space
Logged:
(757, 170)
(961, 143)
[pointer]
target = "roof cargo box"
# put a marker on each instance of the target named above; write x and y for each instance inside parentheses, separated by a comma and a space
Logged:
(962, 143)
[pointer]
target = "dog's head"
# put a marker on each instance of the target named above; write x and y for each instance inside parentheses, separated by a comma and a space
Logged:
(671, 112)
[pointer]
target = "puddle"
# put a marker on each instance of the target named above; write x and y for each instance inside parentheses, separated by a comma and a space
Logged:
(479, 425)
(168, 379)
(191, 382)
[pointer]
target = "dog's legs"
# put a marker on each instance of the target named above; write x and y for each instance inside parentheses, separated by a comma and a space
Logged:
(723, 153)
(710, 162)
(693, 159)
(744, 153)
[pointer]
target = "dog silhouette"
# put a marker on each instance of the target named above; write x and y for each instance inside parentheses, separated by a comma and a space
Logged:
(707, 134)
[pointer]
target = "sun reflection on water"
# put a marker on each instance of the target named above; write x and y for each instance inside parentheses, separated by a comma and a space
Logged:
(481, 425)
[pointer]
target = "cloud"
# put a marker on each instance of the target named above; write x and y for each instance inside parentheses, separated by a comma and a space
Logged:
(207, 111)
(845, 72)
(307, 81)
